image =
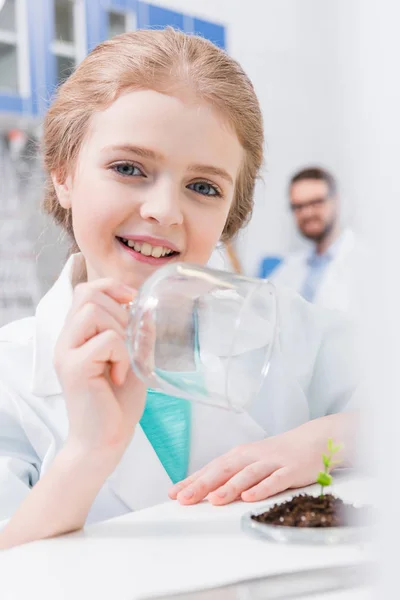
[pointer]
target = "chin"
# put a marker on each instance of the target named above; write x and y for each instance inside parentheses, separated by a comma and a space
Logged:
(312, 234)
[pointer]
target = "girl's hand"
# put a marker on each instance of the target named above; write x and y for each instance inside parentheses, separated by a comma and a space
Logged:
(256, 471)
(104, 398)
(104, 401)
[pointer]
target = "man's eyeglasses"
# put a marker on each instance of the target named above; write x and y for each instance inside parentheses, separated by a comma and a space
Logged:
(315, 203)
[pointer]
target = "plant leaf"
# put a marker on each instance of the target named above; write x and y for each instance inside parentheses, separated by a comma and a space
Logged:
(337, 448)
(330, 445)
(326, 460)
(324, 479)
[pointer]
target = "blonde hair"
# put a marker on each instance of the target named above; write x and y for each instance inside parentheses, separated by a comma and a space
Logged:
(163, 61)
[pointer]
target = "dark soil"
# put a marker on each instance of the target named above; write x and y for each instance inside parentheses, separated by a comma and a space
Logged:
(314, 511)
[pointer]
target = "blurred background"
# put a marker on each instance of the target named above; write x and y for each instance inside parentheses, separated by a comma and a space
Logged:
(306, 58)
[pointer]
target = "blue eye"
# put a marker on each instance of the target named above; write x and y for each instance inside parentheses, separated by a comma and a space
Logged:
(204, 188)
(128, 170)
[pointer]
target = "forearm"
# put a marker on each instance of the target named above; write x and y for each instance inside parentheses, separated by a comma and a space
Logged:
(60, 501)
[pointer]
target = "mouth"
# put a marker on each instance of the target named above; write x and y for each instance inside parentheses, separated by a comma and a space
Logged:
(312, 223)
(146, 252)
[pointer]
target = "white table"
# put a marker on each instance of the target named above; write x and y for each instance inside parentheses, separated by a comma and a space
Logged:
(166, 549)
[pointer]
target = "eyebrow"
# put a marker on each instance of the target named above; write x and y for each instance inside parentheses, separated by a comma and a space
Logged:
(212, 171)
(138, 150)
(153, 155)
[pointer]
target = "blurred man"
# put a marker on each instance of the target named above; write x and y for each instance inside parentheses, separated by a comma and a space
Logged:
(330, 272)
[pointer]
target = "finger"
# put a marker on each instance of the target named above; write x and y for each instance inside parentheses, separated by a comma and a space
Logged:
(91, 320)
(216, 463)
(175, 489)
(242, 481)
(216, 475)
(117, 291)
(279, 481)
(119, 372)
(181, 485)
(112, 296)
(232, 455)
(105, 349)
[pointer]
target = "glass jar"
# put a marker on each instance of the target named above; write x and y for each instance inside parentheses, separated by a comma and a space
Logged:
(202, 334)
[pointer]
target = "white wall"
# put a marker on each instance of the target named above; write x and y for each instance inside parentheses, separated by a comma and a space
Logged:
(373, 134)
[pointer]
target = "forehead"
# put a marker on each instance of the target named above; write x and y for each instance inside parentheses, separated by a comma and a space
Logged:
(180, 128)
(308, 189)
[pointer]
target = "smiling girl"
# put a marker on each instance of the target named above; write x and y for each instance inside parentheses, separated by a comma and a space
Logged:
(152, 149)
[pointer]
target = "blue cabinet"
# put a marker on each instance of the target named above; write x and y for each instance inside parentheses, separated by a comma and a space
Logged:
(57, 34)
(158, 18)
(213, 32)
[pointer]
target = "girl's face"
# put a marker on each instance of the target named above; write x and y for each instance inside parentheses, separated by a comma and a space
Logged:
(153, 184)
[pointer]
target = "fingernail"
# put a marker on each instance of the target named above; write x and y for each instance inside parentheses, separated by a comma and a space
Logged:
(221, 493)
(188, 493)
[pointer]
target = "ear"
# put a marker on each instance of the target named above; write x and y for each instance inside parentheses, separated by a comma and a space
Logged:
(63, 187)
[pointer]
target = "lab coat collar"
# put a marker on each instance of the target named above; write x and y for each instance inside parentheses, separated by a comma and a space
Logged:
(340, 247)
(51, 313)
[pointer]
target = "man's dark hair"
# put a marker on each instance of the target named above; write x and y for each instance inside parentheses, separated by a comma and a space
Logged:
(316, 173)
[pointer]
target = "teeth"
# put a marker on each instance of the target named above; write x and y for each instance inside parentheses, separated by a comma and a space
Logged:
(148, 250)
(157, 251)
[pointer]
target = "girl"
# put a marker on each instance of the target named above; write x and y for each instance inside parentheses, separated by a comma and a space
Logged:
(151, 148)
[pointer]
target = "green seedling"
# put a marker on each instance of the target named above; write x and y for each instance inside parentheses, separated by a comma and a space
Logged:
(324, 478)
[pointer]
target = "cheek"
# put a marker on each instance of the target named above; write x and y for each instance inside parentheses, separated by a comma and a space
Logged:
(93, 214)
(299, 220)
(204, 234)
(331, 214)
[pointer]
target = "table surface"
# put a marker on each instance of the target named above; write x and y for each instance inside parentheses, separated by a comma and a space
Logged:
(170, 550)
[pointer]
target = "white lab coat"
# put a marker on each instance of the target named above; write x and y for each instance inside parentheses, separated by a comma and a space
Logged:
(343, 279)
(312, 374)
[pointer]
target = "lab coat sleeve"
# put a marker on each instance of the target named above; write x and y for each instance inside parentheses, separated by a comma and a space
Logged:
(336, 381)
(19, 463)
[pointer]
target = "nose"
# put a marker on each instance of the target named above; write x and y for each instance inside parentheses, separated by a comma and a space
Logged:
(307, 212)
(162, 205)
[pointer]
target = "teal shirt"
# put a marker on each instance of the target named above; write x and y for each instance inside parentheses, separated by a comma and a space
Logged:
(166, 420)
